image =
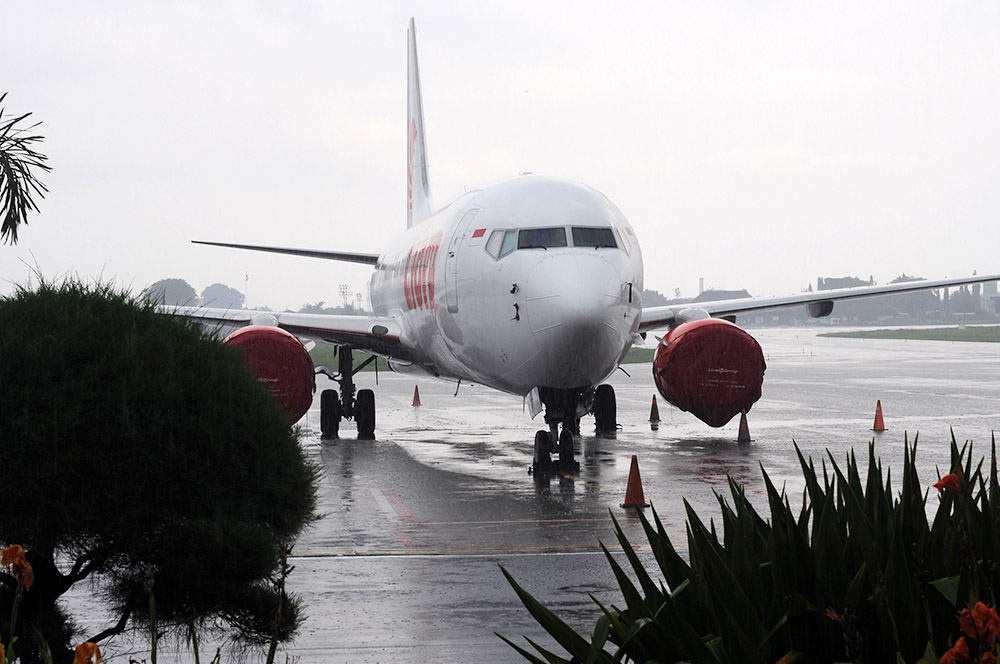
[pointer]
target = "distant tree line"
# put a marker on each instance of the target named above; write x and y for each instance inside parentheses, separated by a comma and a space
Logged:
(932, 305)
(178, 292)
(321, 308)
(922, 306)
(181, 293)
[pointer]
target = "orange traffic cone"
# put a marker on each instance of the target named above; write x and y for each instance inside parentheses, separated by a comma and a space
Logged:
(744, 435)
(633, 492)
(879, 422)
(654, 412)
(416, 396)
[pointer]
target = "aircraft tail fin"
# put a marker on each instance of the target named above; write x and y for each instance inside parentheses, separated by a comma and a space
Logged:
(418, 193)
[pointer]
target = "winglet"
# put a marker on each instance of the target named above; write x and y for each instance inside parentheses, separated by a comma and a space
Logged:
(418, 193)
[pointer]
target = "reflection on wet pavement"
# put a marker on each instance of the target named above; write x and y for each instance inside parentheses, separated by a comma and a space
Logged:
(403, 565)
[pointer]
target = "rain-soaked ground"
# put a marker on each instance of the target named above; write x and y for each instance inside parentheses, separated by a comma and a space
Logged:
(403, 566)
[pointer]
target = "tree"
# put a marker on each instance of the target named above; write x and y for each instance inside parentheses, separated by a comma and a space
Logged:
(831, 283)
(916, 304)
(221, 296)
(142, 455)
(172, 292)
(964, 301)
(319, 308)
(18, 180)
(652, 298)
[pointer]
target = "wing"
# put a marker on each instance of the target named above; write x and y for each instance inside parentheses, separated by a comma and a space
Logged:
(819, 303)
(346, 256)
(373, 334)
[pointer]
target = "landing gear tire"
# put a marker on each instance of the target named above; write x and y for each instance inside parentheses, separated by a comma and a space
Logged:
(566, 452)
(329, 414)
(364, 414)
(542, 461)
(605, 410)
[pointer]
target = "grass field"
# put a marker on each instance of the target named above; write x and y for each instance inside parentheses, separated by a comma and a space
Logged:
(982, 333)
(323, 356)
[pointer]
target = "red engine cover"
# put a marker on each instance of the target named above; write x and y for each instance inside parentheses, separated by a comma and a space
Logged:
(281, 362)
(710, 368)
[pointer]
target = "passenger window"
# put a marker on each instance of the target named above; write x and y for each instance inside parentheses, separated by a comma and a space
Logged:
(494, 243)
(594, 237)
(509, 242)
(531, 238)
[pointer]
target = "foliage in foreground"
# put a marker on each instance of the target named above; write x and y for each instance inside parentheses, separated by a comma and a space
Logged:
(143, 456)
(19, 164)
(856, 574)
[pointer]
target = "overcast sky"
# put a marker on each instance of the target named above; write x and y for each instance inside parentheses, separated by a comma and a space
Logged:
(757, 145)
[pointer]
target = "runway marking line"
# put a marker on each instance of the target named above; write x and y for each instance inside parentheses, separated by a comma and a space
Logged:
(399, 506)
(397, 513)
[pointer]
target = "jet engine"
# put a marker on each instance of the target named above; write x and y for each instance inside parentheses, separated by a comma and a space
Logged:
(281, 362)
(710, 368)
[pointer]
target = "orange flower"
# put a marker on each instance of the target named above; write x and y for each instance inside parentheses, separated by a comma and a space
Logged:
(982, 624)
(949, 481)
(3, 654)
(13, 556)
(965, 622)
(85, 653)
(988, 623)
(958, 653)
(987, 658)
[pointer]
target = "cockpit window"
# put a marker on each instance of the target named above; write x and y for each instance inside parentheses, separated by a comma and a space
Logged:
(494, 243)
(509, 242)
(531, 238)
(593, 237)
(622, 243)
(503, 242)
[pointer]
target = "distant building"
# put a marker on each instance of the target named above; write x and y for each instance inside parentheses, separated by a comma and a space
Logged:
(714, 295)
(991, 301)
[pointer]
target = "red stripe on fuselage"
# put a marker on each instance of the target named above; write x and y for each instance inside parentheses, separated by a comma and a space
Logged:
(418, 274)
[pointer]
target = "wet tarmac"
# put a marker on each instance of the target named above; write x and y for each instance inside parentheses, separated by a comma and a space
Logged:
(403, 566)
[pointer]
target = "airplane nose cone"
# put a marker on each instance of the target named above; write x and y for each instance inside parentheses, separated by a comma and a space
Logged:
(575, 308)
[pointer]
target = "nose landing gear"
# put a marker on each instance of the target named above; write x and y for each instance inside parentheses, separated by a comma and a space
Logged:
(547, 442)
(563, 410)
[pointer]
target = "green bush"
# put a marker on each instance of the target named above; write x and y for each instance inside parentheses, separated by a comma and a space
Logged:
(857, 573)
(139, 452)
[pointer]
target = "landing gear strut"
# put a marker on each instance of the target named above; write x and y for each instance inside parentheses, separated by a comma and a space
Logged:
(333, 408)
(563, 409)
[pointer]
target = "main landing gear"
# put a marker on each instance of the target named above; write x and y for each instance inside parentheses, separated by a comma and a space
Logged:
(346, 405)
(563, 410)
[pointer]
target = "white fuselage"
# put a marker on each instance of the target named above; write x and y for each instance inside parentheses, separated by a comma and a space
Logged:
(534, 282)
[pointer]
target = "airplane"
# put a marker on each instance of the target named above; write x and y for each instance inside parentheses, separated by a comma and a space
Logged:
(532, 286)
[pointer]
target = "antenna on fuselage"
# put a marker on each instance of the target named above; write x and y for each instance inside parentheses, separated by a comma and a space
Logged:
(418, 192)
